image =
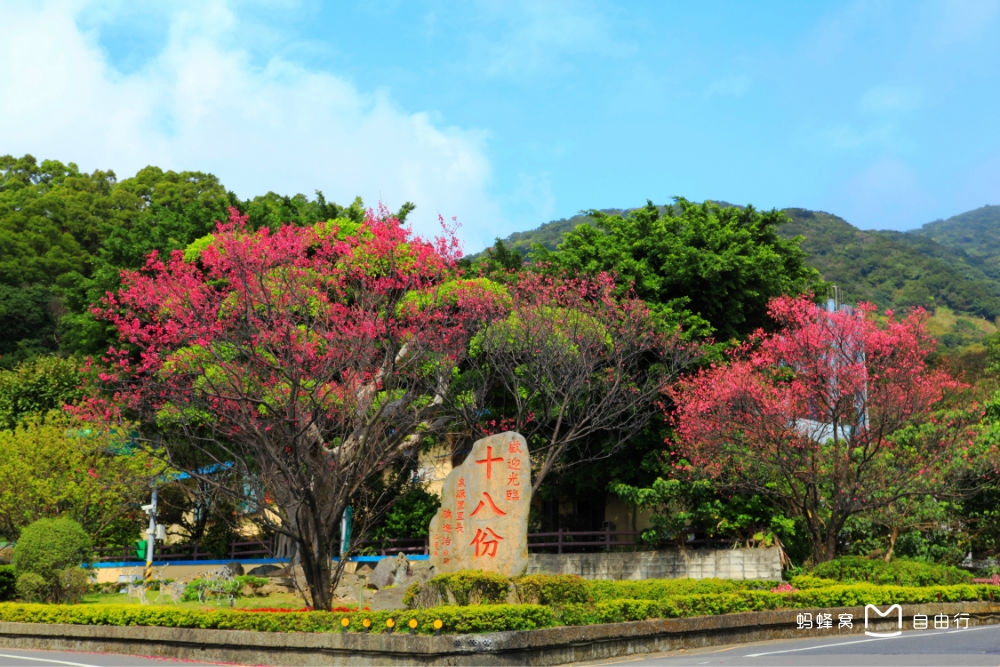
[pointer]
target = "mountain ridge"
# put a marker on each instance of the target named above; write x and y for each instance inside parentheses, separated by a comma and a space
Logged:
(952, 263)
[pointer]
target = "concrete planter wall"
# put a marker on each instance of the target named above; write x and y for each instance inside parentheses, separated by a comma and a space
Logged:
(696, 564)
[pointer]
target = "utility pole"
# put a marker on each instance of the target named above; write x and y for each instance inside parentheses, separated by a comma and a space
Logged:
(150, 538)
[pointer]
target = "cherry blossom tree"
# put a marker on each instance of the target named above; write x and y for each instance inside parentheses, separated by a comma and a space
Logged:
(572, 366)
(833, 415)
(307, 361)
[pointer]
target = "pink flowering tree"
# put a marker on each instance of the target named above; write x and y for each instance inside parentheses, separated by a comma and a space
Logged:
(305, 362)
(833, 415)
(572, 366)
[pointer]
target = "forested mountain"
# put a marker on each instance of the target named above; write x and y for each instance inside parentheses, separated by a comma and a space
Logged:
(977, 233)
(897, 270)
(951, 263)
(65, 235)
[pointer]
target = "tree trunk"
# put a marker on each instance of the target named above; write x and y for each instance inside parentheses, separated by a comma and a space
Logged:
(316, 568)
(893, 534)
(824, 538)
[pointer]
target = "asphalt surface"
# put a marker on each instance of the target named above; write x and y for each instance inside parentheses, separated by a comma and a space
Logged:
(974, 646)
(18, 658)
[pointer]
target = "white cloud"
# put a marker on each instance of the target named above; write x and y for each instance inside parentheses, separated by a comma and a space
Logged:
(529, 38)
(952, 22)
(205, 102)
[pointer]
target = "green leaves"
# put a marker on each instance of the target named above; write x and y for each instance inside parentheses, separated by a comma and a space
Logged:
(694, 263)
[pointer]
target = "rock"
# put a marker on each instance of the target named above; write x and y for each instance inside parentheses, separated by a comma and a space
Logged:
(264, 570)
(235, 568)
(401, 569)
(483, 520)
(389, 572)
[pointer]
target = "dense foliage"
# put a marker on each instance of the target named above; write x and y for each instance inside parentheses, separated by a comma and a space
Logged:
(899, 572)
(541, 357)
(64, 467)
(47, 561)
(306, 358)
(896, 270)
(832, 415)
(702, 263)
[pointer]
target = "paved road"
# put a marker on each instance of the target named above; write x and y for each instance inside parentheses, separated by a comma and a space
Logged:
(974, 646)
(17, 658)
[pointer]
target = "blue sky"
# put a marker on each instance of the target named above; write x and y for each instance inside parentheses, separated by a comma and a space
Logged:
(505, 115)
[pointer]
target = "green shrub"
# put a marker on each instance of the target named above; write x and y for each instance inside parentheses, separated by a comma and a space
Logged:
(8, 582)
(467, 587)
(32, 587)
(455, 620)
(552, 589)
(199, 589)
(899, 572)
(73, 584)
(495, 617)
(811, 581)
(53, 549)
(664, 589)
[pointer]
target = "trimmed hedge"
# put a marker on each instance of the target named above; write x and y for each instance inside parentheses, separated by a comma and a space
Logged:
(496, 617)
(475, 618)
(898, 572)
(663, 589)
(552, 589)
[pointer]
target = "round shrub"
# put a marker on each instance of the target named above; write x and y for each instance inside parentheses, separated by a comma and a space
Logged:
(52, 549)
(32, 587)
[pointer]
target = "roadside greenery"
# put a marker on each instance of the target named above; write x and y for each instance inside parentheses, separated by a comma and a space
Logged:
(606, 606)
(898, 572)
(516, 339)
(47, 561)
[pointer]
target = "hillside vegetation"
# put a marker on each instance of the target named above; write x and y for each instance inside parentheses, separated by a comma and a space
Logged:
(950, 267)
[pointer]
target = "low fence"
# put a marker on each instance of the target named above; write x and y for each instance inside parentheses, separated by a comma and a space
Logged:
(558, 542)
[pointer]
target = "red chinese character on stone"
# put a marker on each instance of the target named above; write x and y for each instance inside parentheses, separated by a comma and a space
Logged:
(514, 447)
(513, 479)
(513, 495)
(482, 503)
(486, 542)
(514, 464)
(489, 460)
(445, 514)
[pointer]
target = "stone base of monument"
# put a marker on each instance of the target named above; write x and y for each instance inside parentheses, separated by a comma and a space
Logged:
(359, 587)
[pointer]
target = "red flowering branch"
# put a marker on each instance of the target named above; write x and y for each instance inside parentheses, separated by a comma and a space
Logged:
(832, 416)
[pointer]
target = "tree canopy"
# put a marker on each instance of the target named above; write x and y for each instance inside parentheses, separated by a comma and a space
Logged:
(710, 267)
(311, 359)
(832, 415)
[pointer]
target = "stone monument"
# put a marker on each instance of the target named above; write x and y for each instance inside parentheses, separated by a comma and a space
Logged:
(483, 520)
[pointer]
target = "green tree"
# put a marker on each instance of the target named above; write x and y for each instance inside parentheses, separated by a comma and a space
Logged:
(64, 468)
(37, 386)
(47, 560)
(712, 268)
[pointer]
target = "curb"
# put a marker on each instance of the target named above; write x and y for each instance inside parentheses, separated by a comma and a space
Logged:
(548, 646)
